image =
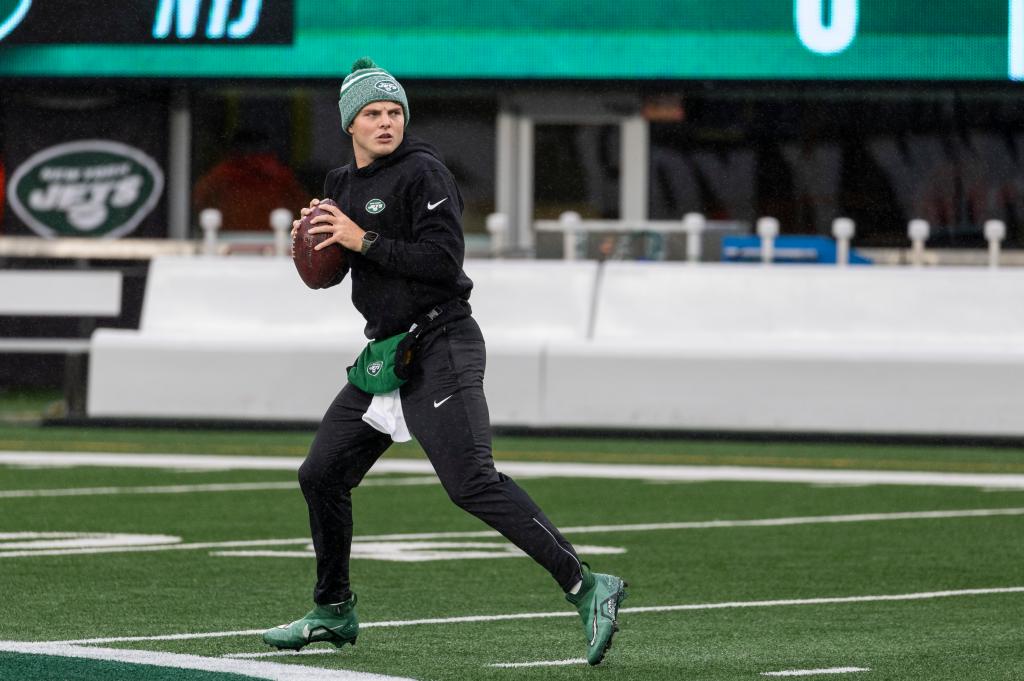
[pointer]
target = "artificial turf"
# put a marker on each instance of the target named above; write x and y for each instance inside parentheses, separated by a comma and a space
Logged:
(961, 637)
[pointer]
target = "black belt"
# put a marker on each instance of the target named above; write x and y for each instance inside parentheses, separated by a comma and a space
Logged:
(434, 318)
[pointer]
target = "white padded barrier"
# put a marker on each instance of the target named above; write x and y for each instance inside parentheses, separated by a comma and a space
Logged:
(809, 348)
(240, 338)
(730, 347)
(522, 306)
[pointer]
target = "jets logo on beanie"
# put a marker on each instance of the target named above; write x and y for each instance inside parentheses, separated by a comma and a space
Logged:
(368, 83)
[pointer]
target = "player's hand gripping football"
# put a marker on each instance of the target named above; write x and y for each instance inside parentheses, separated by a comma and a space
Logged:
(303, 212)
(317, 268)
(306, 210)
(332, 221)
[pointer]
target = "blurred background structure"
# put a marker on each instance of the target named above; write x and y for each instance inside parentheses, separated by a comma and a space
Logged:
(583, 131)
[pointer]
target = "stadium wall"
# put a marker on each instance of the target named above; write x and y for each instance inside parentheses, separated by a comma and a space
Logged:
(624, 345)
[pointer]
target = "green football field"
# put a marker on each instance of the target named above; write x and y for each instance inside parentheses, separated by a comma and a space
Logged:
(149, 554)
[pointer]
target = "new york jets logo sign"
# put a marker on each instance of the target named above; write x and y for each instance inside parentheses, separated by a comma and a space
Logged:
(12, 12)
(388, 86)
(97, 188)
(374, 368)
(374, 206)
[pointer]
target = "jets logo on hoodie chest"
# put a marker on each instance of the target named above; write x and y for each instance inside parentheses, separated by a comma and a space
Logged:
(377, 211)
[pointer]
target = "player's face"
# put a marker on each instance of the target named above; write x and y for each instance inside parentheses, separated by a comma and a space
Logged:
(376, 131)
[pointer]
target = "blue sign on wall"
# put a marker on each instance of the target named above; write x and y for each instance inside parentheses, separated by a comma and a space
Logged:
(788, 249)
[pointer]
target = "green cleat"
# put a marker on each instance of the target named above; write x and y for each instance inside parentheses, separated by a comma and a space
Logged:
(598, 604)
(337, 624)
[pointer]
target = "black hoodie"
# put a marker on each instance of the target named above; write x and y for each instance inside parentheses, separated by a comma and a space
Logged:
(411, 200)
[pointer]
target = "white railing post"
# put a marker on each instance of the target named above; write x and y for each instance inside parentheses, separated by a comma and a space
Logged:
(497, 227)
(570, 221)
(281, 223)
(210, 220)
(918, 231)
(767, 229)
(693, 225)
(995, 232)
(843, 230)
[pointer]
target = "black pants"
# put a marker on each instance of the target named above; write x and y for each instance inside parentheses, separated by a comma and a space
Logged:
(446, 412)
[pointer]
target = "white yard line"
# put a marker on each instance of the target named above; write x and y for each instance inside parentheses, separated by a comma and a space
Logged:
(76, 541)
(284, 653)
(816, 672)
(259, 670)
(152, 489)
(156, 547)
(585, 529)
(836, 600)
(170, 637)
(420, 551)
(195, 462)
(714, 524)
(580, 660)
(190, 489)
(832, 600)
(811, 476)
(541, 663)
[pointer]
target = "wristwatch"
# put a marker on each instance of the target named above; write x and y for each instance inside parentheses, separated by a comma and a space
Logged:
(369, 239)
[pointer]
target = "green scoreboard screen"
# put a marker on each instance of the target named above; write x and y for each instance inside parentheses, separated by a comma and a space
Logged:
(547, 39)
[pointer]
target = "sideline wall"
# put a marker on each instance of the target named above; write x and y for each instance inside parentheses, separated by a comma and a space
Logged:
(860, 350)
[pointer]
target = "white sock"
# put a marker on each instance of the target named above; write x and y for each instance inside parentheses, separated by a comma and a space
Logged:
(576, 588)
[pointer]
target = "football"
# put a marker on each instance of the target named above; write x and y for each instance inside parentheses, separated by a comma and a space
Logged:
(318, 269)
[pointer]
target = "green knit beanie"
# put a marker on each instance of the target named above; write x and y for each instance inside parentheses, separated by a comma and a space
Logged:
(368, 83)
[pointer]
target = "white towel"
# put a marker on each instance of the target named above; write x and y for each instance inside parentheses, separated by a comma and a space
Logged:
(385, 414)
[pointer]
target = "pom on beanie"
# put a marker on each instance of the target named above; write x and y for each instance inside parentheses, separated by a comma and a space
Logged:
(366, 84)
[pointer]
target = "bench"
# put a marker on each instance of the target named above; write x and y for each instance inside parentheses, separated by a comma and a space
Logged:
(87, 295)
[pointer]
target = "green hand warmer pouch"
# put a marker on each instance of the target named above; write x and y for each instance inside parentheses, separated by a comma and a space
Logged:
(374, 370)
